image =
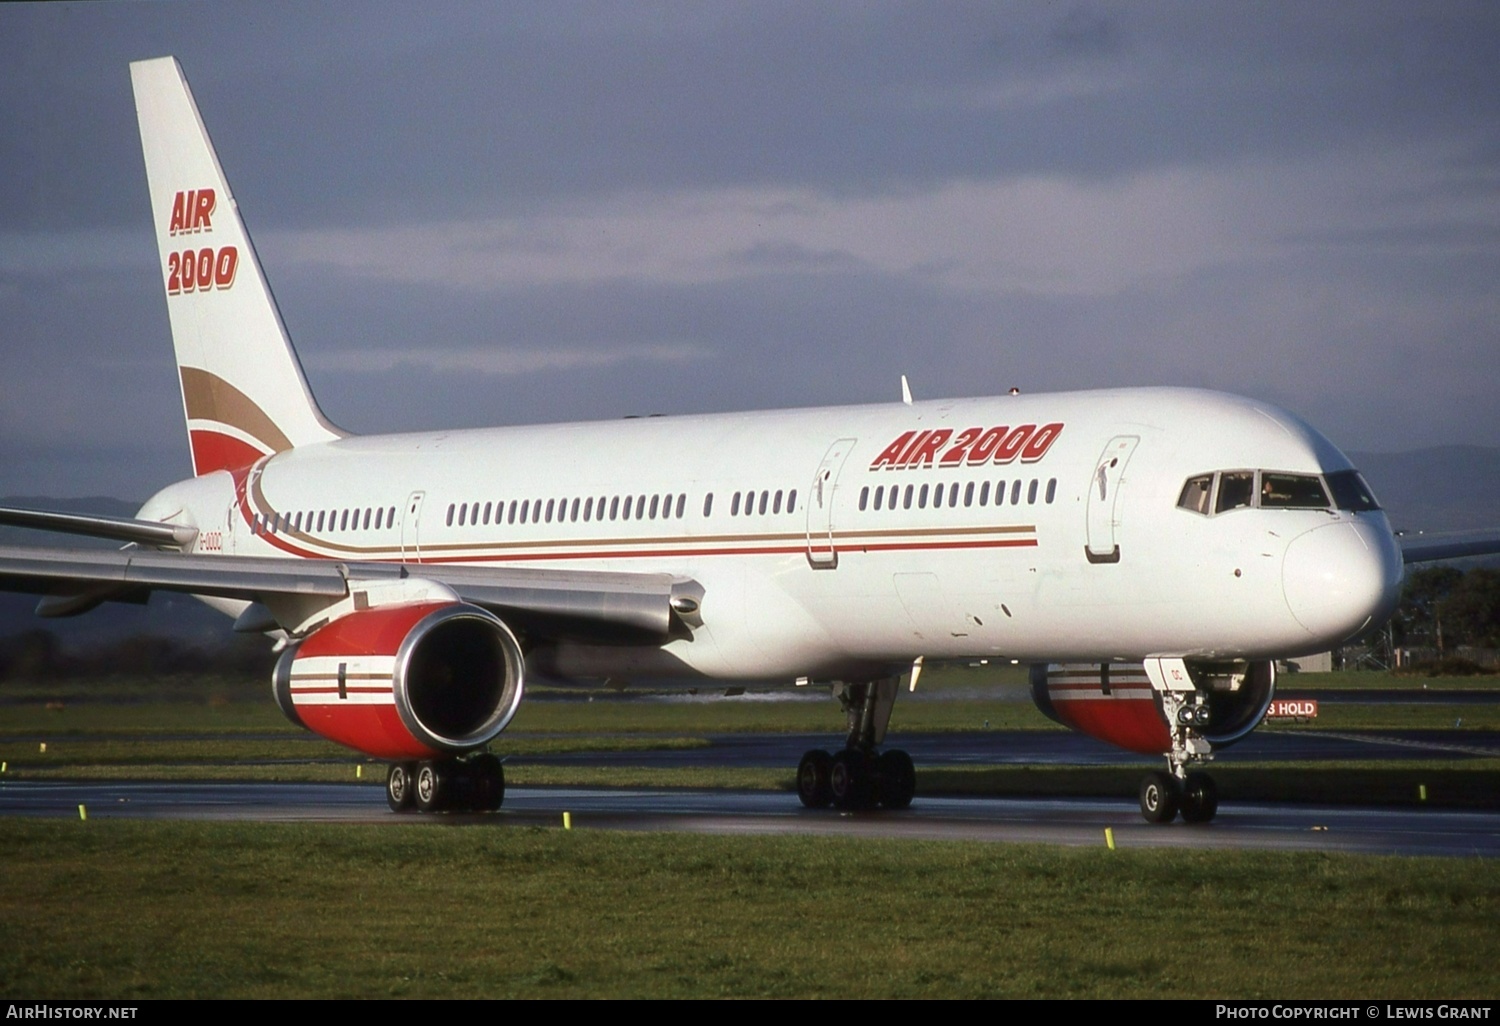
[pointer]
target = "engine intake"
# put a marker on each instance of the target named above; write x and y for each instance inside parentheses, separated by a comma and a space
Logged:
(404, 682)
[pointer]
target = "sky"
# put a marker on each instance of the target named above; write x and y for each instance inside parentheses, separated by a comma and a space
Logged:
(501, 213)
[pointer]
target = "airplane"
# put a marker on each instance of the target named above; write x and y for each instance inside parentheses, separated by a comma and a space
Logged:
(1150, 552)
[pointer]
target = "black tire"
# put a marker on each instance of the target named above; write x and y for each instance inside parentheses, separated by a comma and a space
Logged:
(398, 787)
(1159, 797)
(812, 779)
(851, 780)
(1200, 798)
(433, 785)
(489, 783)
(897, 779)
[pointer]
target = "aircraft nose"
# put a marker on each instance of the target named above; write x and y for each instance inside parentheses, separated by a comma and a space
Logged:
(1341, 578)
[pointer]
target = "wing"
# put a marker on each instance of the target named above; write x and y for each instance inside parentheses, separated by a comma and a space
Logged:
(580, 605)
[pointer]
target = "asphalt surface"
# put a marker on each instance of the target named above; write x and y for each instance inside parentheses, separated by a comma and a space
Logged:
(1079, 822)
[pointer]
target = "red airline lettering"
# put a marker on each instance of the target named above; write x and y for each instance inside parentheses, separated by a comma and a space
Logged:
(1040, 442)
(955, 454)
(207, 268)
(974, 446)
(890, 455)
(922, 455)
(1011, 447)
(192, 211)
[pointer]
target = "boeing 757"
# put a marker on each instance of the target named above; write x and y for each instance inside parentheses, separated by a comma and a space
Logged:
(1151, 552)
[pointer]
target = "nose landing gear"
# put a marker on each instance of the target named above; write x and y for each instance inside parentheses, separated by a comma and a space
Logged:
(1164, 794)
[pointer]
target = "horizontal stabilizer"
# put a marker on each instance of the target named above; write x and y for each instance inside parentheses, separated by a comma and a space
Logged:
(142, 532)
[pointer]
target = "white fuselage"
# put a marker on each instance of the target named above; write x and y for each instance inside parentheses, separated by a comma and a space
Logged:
(1088, 555)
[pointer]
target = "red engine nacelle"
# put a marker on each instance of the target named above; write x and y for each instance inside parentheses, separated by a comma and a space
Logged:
(1115, 702)
(404, 682)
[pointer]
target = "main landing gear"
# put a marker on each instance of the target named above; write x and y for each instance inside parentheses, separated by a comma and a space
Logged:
(472, 784)
(858, 777)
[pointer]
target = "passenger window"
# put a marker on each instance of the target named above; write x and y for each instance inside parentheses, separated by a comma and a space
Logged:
(1236, 489)
(681, 504)
(1015, 493)
(1195, 494)
(708, 505)
(922, 498)
(1031, 493)
(1051, 490)
(984, 493)
(864, 498)
(791, 501)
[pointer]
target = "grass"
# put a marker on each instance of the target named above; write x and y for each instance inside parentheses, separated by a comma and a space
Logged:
(189, 910)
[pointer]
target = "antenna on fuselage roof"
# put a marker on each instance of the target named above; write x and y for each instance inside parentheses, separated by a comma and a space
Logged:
(905, 391)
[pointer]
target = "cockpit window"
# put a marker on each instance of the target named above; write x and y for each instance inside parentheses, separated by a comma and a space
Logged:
(1350, 491)
(1236, 489)
(1291, 491)
(1195, 494)
(1275, 489)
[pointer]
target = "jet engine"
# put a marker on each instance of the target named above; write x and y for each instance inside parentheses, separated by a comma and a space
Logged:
(404, 682)
(1115, 702)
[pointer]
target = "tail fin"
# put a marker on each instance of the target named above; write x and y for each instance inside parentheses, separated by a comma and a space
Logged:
(243, 391)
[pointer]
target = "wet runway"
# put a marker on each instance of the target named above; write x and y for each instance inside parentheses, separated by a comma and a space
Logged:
(1079, 822)
(1048, 748)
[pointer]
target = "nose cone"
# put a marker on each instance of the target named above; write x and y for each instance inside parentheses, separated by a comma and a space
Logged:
(1341, 578)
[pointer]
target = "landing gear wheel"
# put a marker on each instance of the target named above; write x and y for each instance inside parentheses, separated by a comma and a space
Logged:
(434, 781)
(1200, 798)
(1159, 797)
(812, 779)
(897, 778)
(398, 787)
(489, 783)
(851, 780)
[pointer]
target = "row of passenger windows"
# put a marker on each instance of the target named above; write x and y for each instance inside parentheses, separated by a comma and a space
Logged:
(321, 520)
(628, 507)
(671, 506)
(539, 511)
(974, 493)
(1267, 489)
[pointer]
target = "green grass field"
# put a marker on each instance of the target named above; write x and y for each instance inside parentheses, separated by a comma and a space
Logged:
(161, 910)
